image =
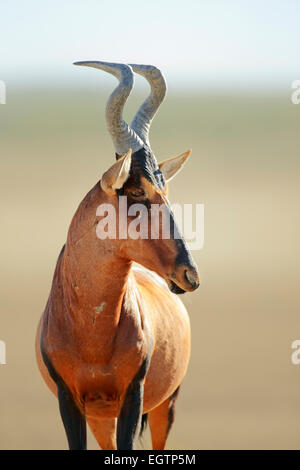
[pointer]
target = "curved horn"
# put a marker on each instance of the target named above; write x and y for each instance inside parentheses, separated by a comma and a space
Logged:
(142, 120)
(122, 135)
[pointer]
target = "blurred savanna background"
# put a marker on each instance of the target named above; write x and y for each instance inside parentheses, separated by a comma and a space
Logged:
(229, 70)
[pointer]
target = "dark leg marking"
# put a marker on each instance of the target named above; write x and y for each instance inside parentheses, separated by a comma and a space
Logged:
(171, 414)
(144, 423)
(130, 417)
(73, 420)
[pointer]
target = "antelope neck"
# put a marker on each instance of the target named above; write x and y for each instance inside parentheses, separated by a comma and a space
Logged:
(94, 289)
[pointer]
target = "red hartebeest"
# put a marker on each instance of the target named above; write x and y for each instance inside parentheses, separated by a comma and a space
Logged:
(114, 341)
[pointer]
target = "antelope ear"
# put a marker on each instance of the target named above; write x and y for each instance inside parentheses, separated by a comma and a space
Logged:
(172, 166)
(117, 174)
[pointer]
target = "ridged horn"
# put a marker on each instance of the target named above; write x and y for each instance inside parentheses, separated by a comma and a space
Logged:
(142, 120)
(122, 135)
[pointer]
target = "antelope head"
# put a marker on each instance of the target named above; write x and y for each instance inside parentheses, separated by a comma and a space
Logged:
(137, 175)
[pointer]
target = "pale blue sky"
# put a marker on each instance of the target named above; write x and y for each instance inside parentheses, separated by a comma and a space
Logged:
(197, 43)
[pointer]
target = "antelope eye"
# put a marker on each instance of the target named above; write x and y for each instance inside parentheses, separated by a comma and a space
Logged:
(137, 192)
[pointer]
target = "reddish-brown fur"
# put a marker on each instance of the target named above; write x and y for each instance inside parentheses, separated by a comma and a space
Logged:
(104, 315)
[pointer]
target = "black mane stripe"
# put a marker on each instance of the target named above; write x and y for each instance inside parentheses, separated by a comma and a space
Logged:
(144, 163)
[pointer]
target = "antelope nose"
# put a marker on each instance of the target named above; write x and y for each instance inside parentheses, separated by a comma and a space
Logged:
(191, 278)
